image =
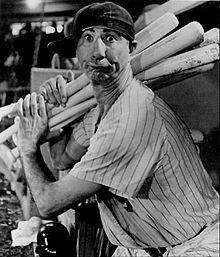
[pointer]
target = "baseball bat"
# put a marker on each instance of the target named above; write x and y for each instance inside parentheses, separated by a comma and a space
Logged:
(74, 113)
(13, 128)
(7, 133)
(189, 35)
(184, 61)
(10, 109)
(154, 84)
(167, 80)
(13, 154)
(174, 6)
(155, 31)
(210, 37)
(71, 111)
(72, 87)
(54, 121)
(82, 80)
(82, 95)
(146, 37)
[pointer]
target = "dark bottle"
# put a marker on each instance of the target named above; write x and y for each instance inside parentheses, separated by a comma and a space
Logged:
(53, 240)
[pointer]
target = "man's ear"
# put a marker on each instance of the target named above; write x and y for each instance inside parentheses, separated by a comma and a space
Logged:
(132, 45)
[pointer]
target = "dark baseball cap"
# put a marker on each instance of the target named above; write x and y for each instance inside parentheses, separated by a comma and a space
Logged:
(105, 14)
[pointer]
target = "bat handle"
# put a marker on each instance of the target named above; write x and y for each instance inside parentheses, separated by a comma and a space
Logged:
(10, 109)
(7, 133)
(13, 154)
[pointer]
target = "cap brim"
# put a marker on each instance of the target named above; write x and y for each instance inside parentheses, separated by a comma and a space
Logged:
(65, 47)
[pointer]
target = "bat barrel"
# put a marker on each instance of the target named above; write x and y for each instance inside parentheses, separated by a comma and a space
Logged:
(188, 36)
(156, 30)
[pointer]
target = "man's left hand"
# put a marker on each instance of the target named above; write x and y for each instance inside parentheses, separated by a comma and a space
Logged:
(32, 122)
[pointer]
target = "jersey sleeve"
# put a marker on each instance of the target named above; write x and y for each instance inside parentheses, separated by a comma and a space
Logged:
(82, 132)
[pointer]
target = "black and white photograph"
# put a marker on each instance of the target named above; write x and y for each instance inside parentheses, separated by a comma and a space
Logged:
(109, 128)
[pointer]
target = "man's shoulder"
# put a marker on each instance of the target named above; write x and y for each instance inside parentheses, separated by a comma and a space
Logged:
(137, 89)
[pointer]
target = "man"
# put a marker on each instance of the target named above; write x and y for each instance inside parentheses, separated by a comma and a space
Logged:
(131, 151)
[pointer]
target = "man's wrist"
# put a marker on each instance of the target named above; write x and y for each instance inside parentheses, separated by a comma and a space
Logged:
(31, 152)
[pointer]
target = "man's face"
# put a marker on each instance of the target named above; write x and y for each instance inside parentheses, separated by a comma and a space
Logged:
(102, 53)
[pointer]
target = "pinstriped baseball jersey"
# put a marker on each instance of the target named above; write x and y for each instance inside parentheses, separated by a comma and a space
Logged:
(158, 192)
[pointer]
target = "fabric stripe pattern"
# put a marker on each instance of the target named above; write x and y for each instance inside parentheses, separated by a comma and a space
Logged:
(159, 193)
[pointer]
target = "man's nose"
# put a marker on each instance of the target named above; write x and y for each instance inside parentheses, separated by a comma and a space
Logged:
(99, 49)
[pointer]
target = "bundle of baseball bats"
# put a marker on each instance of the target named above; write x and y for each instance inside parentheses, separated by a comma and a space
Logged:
(161, 58)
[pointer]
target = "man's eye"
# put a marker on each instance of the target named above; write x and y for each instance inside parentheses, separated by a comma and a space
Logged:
(88, 37)
(109, 38)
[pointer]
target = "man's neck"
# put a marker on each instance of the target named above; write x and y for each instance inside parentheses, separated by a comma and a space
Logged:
(107, 92)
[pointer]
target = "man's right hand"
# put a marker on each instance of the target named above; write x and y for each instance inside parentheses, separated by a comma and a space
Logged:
(54, 90)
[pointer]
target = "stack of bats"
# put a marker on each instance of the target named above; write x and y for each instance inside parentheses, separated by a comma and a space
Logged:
(162, 58)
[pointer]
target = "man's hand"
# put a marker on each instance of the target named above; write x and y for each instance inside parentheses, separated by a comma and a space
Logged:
(55, 93)
(54, 90)
(32, 123)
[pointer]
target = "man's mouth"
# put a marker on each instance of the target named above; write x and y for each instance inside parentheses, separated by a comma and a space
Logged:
(100, 71)
(101, 68)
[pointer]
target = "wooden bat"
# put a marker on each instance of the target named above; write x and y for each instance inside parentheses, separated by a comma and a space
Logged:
(54, 121)
(82, 95)
(13, 154)
(210, 37)
(77, 84)
(7, 133)
(77, 112)
(71, 111)
(167, 80)
(154, 84)
(184, 61)
(72, 88)
(74, 113)
(174, 6)
(178, 40)
(8, 110)
(149, 35)
(84, 81)
(189, 35)
(155, 31)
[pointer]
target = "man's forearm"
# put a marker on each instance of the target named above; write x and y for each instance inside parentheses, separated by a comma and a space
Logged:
(39, 178)
(59, 157)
